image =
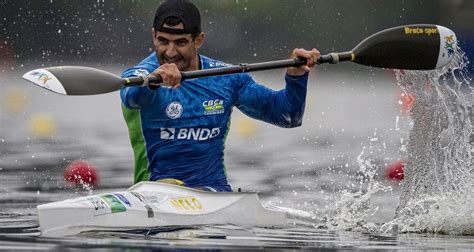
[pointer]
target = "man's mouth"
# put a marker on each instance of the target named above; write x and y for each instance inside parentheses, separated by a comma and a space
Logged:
(172, 60)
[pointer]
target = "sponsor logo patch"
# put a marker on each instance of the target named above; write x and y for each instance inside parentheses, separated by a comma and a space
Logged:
(421, 30)
(123, 199)
(167, 133)
(187, 204)
(42, 76)
(141, 72)
(106, 204)
(213, 107)
(449, 44)
(115, 204)
(218, 64)
(100, 207)
(197, 134)
(174, 110)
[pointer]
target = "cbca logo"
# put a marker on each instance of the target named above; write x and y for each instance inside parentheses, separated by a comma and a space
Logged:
(174, 110)
(213, 107)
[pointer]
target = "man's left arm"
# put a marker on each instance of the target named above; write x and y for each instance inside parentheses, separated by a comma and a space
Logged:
(283, 108)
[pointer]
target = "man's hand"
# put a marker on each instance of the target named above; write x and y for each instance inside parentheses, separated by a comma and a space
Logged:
(311, 57)
(170, 75)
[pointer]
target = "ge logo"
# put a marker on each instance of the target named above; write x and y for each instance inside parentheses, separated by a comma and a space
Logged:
(174, 110)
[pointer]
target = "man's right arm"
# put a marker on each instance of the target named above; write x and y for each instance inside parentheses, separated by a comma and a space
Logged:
(136, 97)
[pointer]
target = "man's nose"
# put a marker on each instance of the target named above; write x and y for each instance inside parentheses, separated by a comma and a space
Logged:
(171, 50)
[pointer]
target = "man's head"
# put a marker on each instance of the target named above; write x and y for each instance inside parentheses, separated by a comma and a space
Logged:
(177, 34)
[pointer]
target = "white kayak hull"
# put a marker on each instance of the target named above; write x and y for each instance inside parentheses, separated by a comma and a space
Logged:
(151, 205)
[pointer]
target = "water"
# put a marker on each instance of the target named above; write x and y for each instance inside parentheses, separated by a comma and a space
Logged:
(437, 194)
(328, 174)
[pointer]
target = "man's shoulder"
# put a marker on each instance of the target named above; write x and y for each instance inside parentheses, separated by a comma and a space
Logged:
(145, 67)
(207, 62)
(240, 78)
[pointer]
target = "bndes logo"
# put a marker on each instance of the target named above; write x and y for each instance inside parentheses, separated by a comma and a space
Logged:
(218, 64)
(198, 134)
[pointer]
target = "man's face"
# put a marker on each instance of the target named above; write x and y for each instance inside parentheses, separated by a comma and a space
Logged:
(178, 49)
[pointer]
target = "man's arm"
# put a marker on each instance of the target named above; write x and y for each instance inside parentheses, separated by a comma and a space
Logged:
(136, 97)
(283, 108)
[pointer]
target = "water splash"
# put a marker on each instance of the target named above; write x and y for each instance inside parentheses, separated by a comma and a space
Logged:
(438, 187)
(351, 208)
(354, 208)
(437, 191)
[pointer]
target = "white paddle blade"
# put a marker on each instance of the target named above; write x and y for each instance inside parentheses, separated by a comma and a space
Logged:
(45, 79)
(447, 46)
(75, 80)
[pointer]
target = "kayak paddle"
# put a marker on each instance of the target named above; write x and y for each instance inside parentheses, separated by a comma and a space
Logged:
(410, 47)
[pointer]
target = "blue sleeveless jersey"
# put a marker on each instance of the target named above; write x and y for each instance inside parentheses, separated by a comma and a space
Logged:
(181, 132)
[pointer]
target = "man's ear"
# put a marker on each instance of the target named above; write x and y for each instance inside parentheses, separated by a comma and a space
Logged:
(153, 34)
(199, 40)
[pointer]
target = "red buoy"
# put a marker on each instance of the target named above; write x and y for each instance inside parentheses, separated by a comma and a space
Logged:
(394, 171)
(81, 172)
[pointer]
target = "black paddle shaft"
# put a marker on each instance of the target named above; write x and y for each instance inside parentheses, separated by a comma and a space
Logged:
(153, 81)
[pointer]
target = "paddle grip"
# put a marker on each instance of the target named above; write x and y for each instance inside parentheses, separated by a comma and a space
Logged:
(325, 59)
(334, 58)
(154, 82)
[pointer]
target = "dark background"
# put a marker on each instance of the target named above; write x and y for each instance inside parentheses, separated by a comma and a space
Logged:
(118, 32)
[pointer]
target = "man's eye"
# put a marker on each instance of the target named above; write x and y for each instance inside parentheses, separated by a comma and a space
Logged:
(182, 42)
(162, 41)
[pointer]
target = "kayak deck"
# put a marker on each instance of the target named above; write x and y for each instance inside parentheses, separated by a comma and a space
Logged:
(153, 204)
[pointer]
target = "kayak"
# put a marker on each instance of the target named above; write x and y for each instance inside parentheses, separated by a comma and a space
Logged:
(152, 205)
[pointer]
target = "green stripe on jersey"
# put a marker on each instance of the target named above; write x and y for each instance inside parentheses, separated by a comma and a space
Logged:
(133, 120)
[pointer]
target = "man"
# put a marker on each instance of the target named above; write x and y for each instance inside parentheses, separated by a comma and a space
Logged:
(178, 130)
